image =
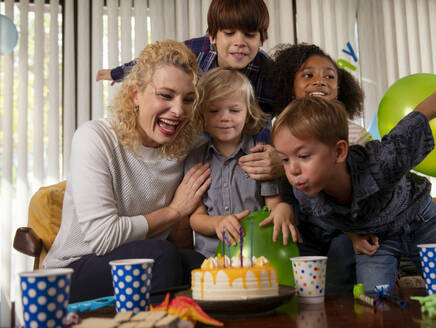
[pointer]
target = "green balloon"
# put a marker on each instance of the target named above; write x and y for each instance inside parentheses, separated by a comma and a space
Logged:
(400, 99)
(277, 254)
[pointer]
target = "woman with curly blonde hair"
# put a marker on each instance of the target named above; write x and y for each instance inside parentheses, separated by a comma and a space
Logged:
(126, 188)
(125, 109)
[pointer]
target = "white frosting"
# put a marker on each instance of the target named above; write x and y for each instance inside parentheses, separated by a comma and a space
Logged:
(236, 261)
(261, 261)
(209, 263)
(217, 262)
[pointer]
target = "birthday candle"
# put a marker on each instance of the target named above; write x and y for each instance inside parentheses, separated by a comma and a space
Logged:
(224, 250)
(241, 240)
(228, 247)
(251, 238)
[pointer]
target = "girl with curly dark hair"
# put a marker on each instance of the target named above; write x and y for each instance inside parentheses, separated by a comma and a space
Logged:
(305, 69)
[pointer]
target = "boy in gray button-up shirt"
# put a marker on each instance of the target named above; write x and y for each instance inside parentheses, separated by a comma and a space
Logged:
(365, 190)
(227, 112)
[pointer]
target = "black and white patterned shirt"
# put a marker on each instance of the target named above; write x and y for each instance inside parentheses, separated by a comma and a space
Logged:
(385, 194)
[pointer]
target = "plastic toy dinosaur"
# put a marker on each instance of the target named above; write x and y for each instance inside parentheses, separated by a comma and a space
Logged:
(186, 309)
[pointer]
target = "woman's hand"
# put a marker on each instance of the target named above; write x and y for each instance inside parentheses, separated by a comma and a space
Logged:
(230, 224)
(104, 74)
(190, 191)
(263, 164)
(364, 244)
(283, 218)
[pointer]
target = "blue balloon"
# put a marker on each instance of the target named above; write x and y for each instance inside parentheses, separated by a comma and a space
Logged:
(8, 35)
(373, 128)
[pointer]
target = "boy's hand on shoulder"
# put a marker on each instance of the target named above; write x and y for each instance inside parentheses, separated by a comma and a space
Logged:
(364, 244)
(230, 224)
(264, 163)
(283, 218)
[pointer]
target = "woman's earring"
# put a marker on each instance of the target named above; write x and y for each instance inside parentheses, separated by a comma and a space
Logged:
(135, 109)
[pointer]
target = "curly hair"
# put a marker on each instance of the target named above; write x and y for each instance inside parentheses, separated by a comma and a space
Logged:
(287, 62)
(221, 83)
(125, 123)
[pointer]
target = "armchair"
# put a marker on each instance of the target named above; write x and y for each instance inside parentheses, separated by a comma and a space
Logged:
(44, 220)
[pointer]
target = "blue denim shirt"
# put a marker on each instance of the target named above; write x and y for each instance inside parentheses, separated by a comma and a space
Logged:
(207, 59)
(385, 194)
(232, 189)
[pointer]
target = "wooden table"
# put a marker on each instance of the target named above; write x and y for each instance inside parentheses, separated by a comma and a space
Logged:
(339, 310)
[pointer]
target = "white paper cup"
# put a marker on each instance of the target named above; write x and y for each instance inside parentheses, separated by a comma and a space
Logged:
(131, 279)
(427, 253)
(45, 294)
(310, 276)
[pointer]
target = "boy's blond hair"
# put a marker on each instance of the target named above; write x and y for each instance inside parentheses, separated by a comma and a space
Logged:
(153, 57)
(219, 84)
(314, 117)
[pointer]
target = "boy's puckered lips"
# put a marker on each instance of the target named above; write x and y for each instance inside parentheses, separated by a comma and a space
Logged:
(300, 185)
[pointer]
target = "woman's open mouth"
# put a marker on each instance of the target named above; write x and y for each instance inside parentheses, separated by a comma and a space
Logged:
(168, 127)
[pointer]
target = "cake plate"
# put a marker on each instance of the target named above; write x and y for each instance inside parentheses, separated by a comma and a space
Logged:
(254, 306)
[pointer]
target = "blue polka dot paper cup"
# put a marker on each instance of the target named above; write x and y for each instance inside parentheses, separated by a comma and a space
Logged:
(45, 294)
(427, 253)
(131, 279)
(310, 276)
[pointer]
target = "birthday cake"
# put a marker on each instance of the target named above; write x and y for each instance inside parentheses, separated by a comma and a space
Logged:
(226, 279)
